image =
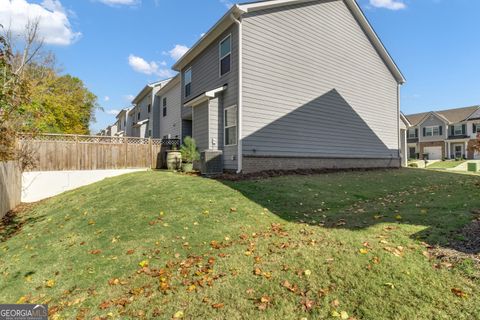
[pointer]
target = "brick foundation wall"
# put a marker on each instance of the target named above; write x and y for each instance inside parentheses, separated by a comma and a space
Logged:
(422, 146)
(253, 164)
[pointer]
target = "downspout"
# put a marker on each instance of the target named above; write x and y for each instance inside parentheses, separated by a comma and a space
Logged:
(400, 138)
(240, 98)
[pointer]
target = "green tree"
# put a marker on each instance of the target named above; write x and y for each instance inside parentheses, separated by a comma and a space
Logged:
(58, 103)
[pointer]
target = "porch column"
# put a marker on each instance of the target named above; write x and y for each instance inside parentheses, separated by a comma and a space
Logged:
(465, 151)
(449, 147)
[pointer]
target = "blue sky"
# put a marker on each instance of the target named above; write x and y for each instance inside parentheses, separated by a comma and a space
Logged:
(117, 46)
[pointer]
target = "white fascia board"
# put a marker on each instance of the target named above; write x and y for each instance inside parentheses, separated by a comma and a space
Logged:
(204, 97)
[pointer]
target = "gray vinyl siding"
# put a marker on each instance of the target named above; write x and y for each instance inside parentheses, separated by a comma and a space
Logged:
(432, 120)
(142, 107)
(206, 77)
(314, 85)
(172, 123)
(200, 126)
(213, 124)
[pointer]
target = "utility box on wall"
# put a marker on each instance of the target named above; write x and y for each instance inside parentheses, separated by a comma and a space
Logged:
(211, 162)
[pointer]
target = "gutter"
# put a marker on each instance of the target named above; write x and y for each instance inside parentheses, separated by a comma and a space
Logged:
(240, 97)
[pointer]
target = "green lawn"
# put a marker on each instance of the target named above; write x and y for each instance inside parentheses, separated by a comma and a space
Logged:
(163, 245)
(445, 164)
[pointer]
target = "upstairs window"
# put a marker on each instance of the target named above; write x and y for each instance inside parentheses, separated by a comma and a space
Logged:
(476, 128)
(188, 82)
(432, 131)
(412, 133)
(225, 55)
(138, 116)
(164, 103)
(149, 108)
(230, 123)
(458, 129)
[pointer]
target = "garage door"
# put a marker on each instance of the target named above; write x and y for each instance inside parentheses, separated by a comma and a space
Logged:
(434, 153)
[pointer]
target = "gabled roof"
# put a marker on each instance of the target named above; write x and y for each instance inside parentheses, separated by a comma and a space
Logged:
(172, 83)
(147, 89)
(448, 115)
(240, 9)
(121, 112)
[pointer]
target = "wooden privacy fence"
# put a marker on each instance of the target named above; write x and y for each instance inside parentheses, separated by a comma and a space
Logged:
(59, 152)
(10, 186)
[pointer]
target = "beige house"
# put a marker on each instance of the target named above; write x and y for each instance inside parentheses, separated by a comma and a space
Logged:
(445, 134)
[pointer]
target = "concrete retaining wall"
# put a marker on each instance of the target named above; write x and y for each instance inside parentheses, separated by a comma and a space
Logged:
(40, 185)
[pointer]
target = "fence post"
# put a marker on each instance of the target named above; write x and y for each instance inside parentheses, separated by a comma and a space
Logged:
(151, 151)
(77, 146)
(125, 141)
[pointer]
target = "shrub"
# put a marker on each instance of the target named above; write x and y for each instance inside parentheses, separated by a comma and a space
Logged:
(189, 150)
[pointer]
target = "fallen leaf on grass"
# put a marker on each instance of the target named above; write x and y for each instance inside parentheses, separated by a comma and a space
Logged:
(143, 263)
(335, 303)
(50, 283)
(307, 273)
(308, 304)
(459, 293)
(97, 251)
(363, 251)
(233, 209)
(218, 305)
(178, 315)
(390, 285)
(130, 252)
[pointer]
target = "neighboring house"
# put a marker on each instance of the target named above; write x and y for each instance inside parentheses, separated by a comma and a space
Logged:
(142, 121)
(448, 134)
(121, 123)
(288, 84)
(170, 110)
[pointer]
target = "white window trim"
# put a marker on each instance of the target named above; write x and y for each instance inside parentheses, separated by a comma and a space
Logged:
(455, 129)
(185, 83)
(432, 127)
(221, 58)
(411, 133)
(225, 127)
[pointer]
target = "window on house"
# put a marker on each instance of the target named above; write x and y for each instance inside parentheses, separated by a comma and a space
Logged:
(188, 82)
(432, 131)
(225, 55)
(149, 108)
(476, 128)
(230, 123)
(164, 103)
(138, 116)
(458, 129)
(412, 133)
(149, 133)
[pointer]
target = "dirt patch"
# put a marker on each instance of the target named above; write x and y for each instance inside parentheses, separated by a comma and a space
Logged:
(231, 176)
(468, 248)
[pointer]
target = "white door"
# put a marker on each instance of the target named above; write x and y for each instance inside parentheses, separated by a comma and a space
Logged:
(434, 153)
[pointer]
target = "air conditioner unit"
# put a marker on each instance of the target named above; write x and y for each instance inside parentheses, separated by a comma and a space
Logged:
(211, 162)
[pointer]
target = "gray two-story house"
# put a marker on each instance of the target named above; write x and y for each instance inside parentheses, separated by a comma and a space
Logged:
(142, 121)
(285, 84)
(445, 134)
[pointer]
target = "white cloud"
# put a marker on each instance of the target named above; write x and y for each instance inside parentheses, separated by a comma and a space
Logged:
(178, 51)
(54, 25)
(150, 68)
(106, 99)
(129, 97)
(227, 3)
(389, 4)
(120, 2)
(112, 112)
